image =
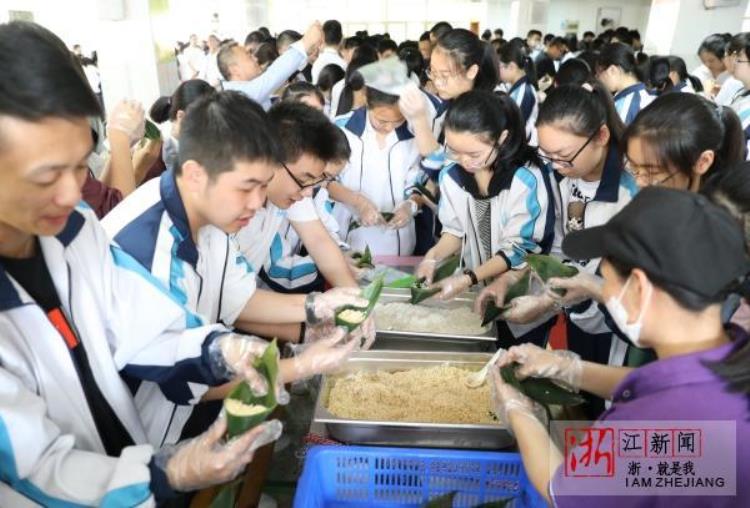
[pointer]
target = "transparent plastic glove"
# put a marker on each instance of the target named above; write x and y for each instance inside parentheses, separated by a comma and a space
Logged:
(562, 366)
(364, 334)
(496, 291)
(357, 272)
(527, 309)
(314, 333)
(453, 286)
(412, 102)
(544, 83)
(129, 118)
(506, 400)
(322, 356)
(426, 270)
(579, 288)
(321, 307)
(313, 38)
(403, 214)
(206, 460)
(367, 212)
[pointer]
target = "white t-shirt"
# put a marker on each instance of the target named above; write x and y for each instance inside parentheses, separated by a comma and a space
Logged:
(194, 62)
(581, 192)
(327, 56)
(254, 240)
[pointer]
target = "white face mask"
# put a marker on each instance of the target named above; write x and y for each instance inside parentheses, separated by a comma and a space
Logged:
(620, 316)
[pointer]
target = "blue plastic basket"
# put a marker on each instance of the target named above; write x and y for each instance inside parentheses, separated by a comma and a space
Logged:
(357, 476)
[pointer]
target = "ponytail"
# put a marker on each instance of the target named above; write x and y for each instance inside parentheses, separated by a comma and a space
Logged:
(354, 82)
(466, 49)
(658, 75)
(622, 56)
(515, 51)
(573, 106)
(159, 111)
(488, 114)
(678, 128)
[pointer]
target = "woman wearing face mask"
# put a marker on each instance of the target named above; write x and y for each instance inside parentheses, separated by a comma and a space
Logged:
(579, 133)
(665, 297)
(496, 200)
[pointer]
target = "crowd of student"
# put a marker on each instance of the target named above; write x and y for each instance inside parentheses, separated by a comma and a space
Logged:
(277, 159)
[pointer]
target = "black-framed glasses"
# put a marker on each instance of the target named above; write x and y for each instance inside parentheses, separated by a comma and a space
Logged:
(566, 163)
(303, 185)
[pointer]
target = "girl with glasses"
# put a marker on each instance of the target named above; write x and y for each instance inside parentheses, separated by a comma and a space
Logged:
(579, 132)
(496, 201)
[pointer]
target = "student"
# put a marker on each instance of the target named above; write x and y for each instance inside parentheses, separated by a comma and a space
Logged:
(534, 43)
(680, 141)
(425, 47)
(579, 132)
(618, 71)
(387, 49)
(732, 86)
(438, 30)
(518, 73)
(329, 55)
(265, 55)
(172, 109)
(547, 61)
(741, 104)
(496, 200)
(350, 44)
(178, 227)
(712, 71)
(349, 93)
(328, 77)
(243, 73)
(308, 143)
(383, 165)
(77, 313)
(574, 72)
(665, 297)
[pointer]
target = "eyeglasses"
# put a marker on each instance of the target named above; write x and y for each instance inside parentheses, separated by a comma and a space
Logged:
(441, 76)
(566, 163)
(473, 161)
(302, 185)
(647, 173)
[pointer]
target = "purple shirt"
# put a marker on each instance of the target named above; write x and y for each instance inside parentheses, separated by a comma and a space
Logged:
(678, 388)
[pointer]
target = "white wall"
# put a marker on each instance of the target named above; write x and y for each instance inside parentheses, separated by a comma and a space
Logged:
(634, 14)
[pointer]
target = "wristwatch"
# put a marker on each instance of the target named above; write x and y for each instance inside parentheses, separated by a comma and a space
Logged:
(472, 276)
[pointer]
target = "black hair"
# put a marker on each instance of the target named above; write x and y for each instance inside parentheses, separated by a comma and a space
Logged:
(572, 106)
(486, 35)
(548, 38)
(622, 56)
(302, 130)
(740, 43)
(440, 28)
(425, 36)
(166, 108)
(387, 45)
(588, 33)
(591, 58)
(466, 50)
(515, 51)
(215, 130)
(571, 42)
(363, 55)
(573, 72)
(488, 114)
(286, 38)
(332, 32)
(256, 37)
(623, 36)
(341, 149)
(43, 80)
(352, 42)
(679, 127)
(533, 32)
(658, 75)
(716, 44)
(329, 76)
(294, 92)
(266, 53)
(413, 60)
(498, 33)
(559, 42)
(265, 31)
(377, 98)
(677, 64)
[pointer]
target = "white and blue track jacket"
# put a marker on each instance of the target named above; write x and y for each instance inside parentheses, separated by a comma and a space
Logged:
(523, 93)
(631, 100)
(51, 453)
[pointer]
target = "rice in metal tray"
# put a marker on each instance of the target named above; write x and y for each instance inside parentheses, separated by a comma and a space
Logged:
(405, 317)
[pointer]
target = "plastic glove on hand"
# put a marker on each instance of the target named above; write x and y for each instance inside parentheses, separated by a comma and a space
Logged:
(368, 213)
(426, 270)
(579, 288)
(453, 286)
(496, 291)
(527, 309)
(323, 306)
(560, 365)
(233, 355)
(323, 356)
(402, 215)
(506, 400)
(129, 118)
(206, 460)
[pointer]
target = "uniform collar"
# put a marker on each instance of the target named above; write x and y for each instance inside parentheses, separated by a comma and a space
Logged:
(678, 371)
(500, 181)
(357, 124)
(609, 185)
(170, 196)
(518, 84)
(631, 89)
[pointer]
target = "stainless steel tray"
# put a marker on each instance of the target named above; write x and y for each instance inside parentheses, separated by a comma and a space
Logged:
(419, 341)
(430, 435)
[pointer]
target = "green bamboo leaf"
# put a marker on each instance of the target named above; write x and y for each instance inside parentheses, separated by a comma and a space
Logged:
(351, 317)
(492, 312)
(227, 496)
(541, 390)
(152, 131)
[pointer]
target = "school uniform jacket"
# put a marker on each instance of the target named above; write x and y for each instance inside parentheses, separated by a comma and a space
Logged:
(631, 100)
(741, 105)
(211, 278)
(386, 187)
(50, 450)
(523, 93)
